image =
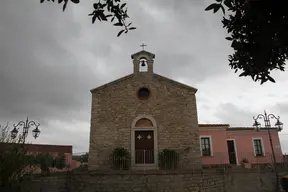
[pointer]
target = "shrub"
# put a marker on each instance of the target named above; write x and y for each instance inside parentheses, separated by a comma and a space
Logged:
(120, 158)
(168, 159)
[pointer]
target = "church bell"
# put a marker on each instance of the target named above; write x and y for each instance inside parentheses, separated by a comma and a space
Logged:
(142, 63)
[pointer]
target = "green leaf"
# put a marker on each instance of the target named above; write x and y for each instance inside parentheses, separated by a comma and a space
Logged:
(229, 38)
(95, 5)
(118, 24)
(212, 6)
(132, 28)
(217, 8)
(75, 1)
(102, 16)
(94, 18)
(223, 10)
(65, 5)
(242, 74)
(234, 44)
(228, 3)
(41, 1)
(120, 32)
(270, 79)
(123, 5)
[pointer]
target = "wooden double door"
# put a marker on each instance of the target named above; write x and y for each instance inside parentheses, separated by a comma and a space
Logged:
(144, 147)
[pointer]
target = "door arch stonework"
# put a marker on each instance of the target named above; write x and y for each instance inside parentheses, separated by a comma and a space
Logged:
(144, 126)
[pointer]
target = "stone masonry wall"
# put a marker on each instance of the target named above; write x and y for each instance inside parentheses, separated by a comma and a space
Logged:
(114, 108)
(213, 181)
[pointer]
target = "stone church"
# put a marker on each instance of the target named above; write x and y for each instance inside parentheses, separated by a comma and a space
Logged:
(144, 113)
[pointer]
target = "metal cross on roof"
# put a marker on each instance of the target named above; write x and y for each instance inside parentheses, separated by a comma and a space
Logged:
(143, 46)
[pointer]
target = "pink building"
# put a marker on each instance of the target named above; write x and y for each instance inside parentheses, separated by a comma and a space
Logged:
(53, 150)
(222, 144)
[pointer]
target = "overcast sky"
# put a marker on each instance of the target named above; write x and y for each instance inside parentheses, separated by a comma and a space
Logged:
(49, 61)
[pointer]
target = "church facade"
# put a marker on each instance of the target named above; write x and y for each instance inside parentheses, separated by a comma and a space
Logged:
(144, 113)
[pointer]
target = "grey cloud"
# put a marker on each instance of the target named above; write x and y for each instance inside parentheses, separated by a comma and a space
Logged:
(38, 75)
(233, 115)
(50, 59)
(282, 107)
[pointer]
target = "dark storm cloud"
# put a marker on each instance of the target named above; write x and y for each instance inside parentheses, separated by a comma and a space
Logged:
(38, 76)
(176, 32)
(190, 43)
(50, 59)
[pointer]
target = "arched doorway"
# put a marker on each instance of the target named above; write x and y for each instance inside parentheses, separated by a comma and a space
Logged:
(144, 143)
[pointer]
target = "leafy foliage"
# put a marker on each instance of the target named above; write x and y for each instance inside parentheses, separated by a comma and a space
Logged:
(45, 160)
(168, 159)
(258, 33)
(113, 10)
(60, 161)
(120, 158)
(84, 158)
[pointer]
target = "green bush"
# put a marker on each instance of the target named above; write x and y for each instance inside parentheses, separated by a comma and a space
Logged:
(60, 161)
(120, 158)
(168, 159)
(45, 161)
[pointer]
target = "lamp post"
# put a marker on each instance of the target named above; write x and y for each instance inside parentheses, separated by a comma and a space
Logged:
(26, 125)
(267, 125)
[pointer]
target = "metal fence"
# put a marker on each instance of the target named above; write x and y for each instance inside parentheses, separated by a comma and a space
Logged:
(173, 159)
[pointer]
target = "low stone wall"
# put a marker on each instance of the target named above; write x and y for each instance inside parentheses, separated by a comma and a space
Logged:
(156, 181)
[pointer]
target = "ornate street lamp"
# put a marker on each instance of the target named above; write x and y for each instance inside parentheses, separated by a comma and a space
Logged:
(267, 125)
(26, 125)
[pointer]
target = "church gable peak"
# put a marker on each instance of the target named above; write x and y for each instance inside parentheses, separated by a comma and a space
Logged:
(143, 53)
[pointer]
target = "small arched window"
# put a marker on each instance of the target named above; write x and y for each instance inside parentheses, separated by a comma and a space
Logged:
(144, 122)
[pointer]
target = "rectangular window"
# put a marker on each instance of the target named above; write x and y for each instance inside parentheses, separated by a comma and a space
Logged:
(258, 147)
(206, 146)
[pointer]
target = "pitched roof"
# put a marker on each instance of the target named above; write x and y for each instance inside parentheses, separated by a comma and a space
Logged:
(175, 82)
(154, 74)
(112, 82)
(214, 125)
(143, 52)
